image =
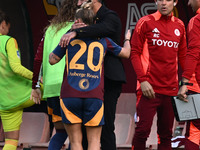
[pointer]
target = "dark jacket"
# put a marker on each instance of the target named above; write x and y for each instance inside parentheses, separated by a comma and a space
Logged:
(108, 24)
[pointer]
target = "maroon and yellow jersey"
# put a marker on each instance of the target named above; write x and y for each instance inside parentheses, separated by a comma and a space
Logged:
(157, 44)
(84, 73)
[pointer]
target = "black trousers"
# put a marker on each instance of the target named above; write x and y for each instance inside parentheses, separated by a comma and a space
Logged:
(111, 95)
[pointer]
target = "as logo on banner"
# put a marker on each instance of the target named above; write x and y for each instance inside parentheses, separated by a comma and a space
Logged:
(134, 13)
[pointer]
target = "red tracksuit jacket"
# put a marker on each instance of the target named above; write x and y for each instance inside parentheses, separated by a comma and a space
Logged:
(192, 63)
(157, 44)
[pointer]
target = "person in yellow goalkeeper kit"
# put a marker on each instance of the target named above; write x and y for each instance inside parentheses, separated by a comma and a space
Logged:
(15, 85)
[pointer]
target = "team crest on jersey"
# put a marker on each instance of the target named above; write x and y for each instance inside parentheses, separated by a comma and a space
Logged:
(177, 32)
(18, 54)
(84, 84)
(156, 33)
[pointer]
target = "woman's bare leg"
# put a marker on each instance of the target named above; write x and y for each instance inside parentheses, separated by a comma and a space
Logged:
(74, 132)
(93, 137)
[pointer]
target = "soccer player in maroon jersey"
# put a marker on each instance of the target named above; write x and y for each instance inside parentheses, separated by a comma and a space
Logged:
(83, 82)
(108, 24)
(192, 65)
(157, 44)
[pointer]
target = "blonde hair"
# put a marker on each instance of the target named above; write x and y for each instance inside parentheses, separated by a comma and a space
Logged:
(85, 13)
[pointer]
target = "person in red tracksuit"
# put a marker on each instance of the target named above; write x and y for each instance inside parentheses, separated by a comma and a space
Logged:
(157, 44)
(192, 65)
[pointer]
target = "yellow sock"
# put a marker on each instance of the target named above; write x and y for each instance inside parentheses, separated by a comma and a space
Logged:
(10, 144)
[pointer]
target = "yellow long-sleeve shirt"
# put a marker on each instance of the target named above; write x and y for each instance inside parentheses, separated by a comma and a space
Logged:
(15, 61)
